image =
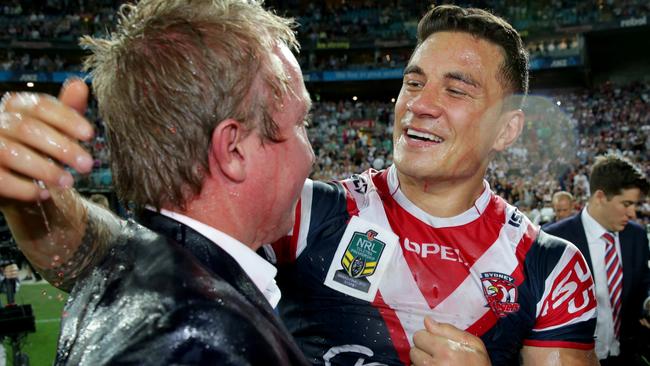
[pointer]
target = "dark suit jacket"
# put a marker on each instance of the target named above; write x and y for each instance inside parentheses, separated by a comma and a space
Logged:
(636, 276)
(170, 297)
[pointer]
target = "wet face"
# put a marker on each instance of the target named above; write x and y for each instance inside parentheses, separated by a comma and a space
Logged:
(282, 167)
(447, 115)
(563, 208)
(619, 209)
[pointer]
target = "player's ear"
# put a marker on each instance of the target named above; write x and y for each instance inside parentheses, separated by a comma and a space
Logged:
(511, 125)
(227, 150)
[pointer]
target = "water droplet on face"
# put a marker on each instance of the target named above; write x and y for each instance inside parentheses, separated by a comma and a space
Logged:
(56, 258)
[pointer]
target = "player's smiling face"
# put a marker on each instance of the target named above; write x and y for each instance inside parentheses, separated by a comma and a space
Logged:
(447, 113)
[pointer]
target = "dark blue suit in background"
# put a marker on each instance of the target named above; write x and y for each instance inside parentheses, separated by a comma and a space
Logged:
(636, 275)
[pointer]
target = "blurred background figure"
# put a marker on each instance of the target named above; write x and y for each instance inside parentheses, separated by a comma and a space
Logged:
(563, 205)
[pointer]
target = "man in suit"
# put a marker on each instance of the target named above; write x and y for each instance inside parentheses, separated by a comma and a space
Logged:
(616, 249)
(205, 107)
(563, 205)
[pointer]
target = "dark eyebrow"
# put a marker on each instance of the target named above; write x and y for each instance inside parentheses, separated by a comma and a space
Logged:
(464, 78)
(413, 69)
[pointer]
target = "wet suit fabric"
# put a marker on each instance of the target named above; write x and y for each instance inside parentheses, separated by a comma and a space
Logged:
(166, 295)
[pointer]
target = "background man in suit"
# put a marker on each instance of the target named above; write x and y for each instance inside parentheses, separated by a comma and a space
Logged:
(563, 205)
(616, 249)
(205, 107)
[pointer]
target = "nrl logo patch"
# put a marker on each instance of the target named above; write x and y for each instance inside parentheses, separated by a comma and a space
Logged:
(500, 292)
(360, 260)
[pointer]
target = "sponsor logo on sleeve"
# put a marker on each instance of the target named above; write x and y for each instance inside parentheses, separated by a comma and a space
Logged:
(571, 297)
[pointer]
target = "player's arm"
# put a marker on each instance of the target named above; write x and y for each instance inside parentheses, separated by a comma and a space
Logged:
(547, 356)
(49, 221)
(566, 308)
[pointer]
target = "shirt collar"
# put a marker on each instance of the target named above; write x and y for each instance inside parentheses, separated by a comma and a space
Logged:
(261, 272)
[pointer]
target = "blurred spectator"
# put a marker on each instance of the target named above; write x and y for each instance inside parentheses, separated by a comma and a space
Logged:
(563, 205)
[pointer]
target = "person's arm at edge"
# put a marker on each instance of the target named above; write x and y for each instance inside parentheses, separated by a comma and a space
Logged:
(49, 221)
(63, 236)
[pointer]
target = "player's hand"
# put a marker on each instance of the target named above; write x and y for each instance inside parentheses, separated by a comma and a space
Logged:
(444, 344)
(11, 271)
(38, 135)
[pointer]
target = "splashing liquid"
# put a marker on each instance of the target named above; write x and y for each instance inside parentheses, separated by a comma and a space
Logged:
(41, 185)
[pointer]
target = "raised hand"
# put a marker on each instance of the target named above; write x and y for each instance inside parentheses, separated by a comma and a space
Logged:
(38, 135)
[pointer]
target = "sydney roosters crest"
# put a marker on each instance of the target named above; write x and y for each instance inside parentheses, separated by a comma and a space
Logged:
(500, 292)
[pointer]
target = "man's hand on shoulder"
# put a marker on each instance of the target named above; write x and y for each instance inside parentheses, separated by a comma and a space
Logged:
(444, 344)
(38, 135)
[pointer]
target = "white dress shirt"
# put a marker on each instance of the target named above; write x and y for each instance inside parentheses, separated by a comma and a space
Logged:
(606, 342)
(261, 272)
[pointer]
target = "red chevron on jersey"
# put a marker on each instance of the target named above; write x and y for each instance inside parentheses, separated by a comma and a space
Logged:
(439, 270)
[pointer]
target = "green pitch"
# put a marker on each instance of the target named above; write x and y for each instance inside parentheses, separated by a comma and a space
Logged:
(47, 303)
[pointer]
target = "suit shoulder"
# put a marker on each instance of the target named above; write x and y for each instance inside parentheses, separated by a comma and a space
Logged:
(562, 225)
(635, 227)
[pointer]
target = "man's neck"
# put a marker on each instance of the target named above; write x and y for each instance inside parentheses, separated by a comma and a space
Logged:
(440, 198)
(220, 214)
(595, 213)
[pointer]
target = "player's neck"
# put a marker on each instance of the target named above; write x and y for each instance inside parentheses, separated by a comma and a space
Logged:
(442, 198)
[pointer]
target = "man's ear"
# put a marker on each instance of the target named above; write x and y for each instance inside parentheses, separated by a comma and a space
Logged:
(599, 196)
(227, 150)
(512, 122)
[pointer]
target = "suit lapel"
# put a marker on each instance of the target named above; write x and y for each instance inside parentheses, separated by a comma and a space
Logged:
(579, 238)
(628, 245)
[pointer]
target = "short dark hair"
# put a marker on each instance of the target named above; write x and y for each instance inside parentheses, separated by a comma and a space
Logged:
(613, 173)
(480, 23)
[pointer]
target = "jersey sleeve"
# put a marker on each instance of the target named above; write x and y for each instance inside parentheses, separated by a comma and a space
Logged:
(320, 203)
(565, 313)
